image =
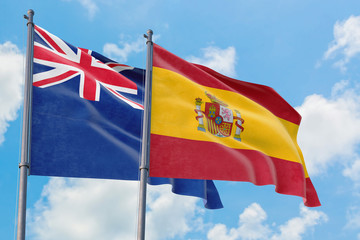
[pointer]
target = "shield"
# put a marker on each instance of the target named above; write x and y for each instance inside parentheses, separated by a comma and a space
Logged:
(219, 119)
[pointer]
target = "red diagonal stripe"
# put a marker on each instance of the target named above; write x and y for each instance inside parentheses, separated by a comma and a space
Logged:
(49, 40)
(54, 79)
(46, 55)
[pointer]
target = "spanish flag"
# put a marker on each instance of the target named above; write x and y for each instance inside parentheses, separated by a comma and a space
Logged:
(208, 126)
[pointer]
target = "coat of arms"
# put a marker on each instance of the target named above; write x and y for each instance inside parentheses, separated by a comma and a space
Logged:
(219, 117)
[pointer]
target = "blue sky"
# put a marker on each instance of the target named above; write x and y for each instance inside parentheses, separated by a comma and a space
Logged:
(307, 51)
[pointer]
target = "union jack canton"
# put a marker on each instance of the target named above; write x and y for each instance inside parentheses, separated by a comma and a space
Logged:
(65, 62)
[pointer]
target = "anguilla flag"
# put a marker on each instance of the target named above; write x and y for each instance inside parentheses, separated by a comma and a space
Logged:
(207, 126)
(87, 117)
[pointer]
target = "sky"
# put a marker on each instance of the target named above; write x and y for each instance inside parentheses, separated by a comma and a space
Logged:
(308, 51)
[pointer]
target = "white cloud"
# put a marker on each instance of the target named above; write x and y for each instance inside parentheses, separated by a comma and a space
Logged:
(221, 60)
(330, 129)
(170, 216)
(251, 223)
(112, 50)
(346, 41)
(252, 226)
(353, 218)
(89, 5)
(220, 232)
(76, 209)
(298, 226)
(353, 172)
(85, 209)
(11, 81)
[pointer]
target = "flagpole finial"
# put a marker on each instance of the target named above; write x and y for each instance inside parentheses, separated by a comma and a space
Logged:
(30, 16)
(149, 35)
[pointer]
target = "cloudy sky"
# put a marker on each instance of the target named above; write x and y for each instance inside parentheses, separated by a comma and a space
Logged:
(308, 52)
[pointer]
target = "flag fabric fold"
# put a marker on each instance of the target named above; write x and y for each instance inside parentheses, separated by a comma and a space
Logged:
(220, 128)
(86, 118)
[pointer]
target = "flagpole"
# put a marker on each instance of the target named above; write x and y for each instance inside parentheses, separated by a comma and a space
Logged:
(24, 165)
(145, 152)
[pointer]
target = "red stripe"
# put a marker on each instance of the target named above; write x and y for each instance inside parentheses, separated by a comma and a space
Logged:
(263, 95)
(54, 79)
(208, 160)
(211, 127)
(52, 43)
(43, 54)
(112, 65)
(124, 98)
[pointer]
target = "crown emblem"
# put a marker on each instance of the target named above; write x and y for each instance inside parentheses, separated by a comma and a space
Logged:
(219, 118)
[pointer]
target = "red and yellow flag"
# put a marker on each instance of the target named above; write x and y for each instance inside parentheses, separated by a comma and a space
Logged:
(208, 126)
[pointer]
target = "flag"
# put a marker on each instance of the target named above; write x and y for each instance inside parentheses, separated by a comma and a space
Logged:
(208, 126)
(87, 118)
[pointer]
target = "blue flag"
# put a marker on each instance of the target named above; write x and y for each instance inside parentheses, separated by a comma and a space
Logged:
(87, 117)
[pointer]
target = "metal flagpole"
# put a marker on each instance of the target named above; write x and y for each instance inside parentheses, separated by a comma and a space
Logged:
(145, 152)
(25, 144)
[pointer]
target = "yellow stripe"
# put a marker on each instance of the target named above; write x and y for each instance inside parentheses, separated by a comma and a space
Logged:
(173, 105)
